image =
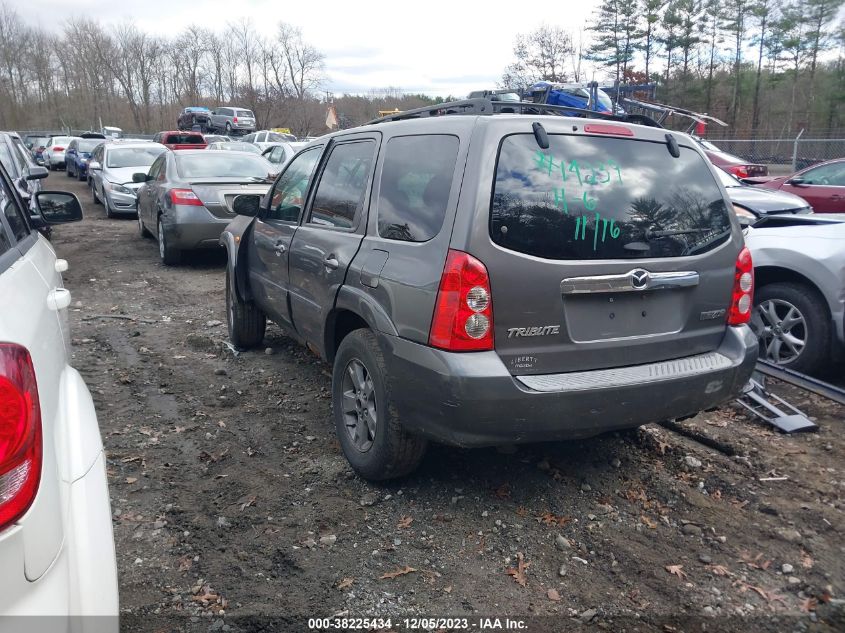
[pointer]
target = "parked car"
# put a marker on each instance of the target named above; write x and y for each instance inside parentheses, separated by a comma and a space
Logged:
(752, 203)
(25, 174)
(185, 200)
(734, 165)
(266, 138)
(181, 140)
(822, 185)
(235, 146)
(77, 155)
(232, 121)
(111, 168)
(799, 311)
(109, 131)
(56, 544)
(582, 296)
(194, 115)
(54, 152)
(278, 153)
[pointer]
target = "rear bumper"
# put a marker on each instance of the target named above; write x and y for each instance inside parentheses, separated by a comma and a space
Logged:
(190, 227)
(472, 400)
(79, 591)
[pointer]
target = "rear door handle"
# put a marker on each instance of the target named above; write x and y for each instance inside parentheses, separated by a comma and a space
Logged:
(331, 262)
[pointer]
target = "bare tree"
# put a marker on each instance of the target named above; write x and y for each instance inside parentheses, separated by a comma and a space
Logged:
(541, 55)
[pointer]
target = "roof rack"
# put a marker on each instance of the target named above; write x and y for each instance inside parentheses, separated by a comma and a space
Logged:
(481, 106)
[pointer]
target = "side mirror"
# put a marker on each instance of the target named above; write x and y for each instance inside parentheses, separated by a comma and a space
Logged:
(797, 182)
(246, 204)
(94, 166)
(37, 173)
(58, 207)
(140, 177)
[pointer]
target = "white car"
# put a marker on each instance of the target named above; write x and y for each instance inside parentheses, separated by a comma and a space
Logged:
(268, 138)
(54, 152)
(57, 553)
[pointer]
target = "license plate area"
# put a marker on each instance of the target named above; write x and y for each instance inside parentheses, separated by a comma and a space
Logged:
(599, 317)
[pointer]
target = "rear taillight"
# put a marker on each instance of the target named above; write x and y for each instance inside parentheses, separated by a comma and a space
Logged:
(185, 196)
(20, 433)
(743, 292)
(463, 313)
(740, 171)
(58, 149)
(235, 119)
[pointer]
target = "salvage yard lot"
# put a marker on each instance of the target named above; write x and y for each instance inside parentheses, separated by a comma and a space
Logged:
(230, 492)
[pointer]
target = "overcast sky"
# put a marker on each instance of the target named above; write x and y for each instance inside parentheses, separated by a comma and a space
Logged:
(440, 48)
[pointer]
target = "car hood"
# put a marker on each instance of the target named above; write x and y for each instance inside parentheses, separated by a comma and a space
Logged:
(764, 201)
(123, 175)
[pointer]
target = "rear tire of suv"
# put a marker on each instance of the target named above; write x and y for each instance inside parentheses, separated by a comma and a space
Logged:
(792, 312)
(371, 435)
(247, 323)
(169, 255)
(142, 230)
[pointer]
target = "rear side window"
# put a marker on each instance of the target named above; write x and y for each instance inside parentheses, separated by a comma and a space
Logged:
(185, 139)
(340, 192)
(604, 198)
(415, 184)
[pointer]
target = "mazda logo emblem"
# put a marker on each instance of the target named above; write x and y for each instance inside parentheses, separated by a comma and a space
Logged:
(639, 279)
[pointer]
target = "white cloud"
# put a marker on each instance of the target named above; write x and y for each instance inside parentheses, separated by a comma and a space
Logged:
(439, 48)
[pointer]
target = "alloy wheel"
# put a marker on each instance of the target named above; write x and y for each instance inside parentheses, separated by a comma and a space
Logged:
(784, 331)
(359, 405)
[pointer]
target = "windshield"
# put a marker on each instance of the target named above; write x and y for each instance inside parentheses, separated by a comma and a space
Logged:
(132, 156)
(590, 198)
(278, 137)
(184, 139)
(37, 141)
(605, 100)
(213, 165)
(244, 113)
(87, 145)
(61, 140)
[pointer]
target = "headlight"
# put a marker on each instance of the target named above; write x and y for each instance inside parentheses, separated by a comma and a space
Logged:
(120, 189)
(742, 212)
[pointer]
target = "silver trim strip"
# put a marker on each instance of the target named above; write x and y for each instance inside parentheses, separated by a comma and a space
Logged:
(625, 282)
(628, 376)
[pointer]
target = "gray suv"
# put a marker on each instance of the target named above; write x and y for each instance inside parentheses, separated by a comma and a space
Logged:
(231, 121)
(483, 278)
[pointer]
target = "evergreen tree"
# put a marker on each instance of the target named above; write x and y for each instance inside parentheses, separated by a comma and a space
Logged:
(617, 35)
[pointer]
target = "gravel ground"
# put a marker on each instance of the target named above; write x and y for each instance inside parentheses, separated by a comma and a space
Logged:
(231, 497)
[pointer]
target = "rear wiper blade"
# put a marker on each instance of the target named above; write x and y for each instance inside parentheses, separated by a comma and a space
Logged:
(649, 234)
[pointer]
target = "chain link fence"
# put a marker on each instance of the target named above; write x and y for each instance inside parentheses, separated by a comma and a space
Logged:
(784, 155)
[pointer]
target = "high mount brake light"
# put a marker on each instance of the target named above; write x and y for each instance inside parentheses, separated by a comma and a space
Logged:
(20, 433)
(742, 297)
(463, 311)
(614, 130)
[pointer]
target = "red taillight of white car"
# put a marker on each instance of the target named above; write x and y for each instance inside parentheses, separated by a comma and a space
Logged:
(58, 149)
(463, 313)
(742, 298)
(185, 196)
(20, 433)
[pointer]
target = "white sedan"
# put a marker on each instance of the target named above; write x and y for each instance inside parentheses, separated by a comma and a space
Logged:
(57, 553)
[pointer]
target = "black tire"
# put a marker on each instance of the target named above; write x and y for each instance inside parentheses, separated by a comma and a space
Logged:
(393, 451)
(228, 129)
(815, 330)
(94, 193)
(109, 212)
(67, 170)
(169, 255)
(246, 321)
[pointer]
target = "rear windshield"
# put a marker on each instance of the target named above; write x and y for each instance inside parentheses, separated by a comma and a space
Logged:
(604, 198)
(222, 165)
(133, 156)
(184, 139)
(244, 113)
(88, 145)
(237, 147)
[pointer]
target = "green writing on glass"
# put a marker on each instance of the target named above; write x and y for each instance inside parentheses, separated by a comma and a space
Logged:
(593, 174)
(601, 229)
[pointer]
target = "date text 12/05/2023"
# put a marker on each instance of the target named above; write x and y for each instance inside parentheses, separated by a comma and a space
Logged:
(600, 174)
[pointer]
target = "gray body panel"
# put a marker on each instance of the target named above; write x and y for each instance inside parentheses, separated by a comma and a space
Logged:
(478, 398)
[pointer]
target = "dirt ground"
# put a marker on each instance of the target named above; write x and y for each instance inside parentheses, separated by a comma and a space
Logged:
(231, 497)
